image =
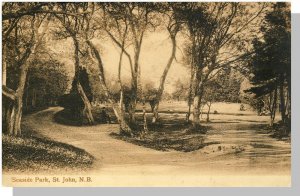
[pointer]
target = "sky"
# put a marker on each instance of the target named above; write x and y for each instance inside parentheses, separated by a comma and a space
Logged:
(155, 53)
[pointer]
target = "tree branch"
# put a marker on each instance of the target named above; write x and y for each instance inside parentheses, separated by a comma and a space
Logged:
(122, 48)
(9, 93)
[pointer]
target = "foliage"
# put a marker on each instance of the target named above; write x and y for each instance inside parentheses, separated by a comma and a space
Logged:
(46, 81)
(229, 82)
(180, 90)
(272, 54)
(73, 101)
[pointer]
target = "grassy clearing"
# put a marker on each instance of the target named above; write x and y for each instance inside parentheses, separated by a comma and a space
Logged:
(30, 153)
(169, 136)
(167, 140)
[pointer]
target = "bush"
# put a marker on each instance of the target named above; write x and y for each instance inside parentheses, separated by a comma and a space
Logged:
(73, 101)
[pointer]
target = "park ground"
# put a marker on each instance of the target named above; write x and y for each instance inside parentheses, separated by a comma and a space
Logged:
(239, 145)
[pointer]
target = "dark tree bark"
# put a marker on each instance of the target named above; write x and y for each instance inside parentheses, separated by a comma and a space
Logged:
(198, 94)
(87, 110)
(273, 106)
(14, 113)
(208, 111)
(282, 99)
(14, 109)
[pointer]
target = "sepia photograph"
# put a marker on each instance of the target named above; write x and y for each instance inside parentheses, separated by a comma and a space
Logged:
(156, 94)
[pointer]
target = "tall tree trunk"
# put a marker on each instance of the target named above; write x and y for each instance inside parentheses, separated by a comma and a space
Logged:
(135, 76)
(155, 112)
(121, 102)
(163, 79)
(27, 95)
(201, 110)
(5, 102)
(33, 98)
(282, 99)
(124, 128)
(288, 105)
(289, 97)
(187, 119)
(198, 91)
(15, 113)
(273, 106)
(8, 110)
(196, 111)
(4, 65)
(87, 110)
(145, 126)
(208, 111)
(87, 105)
(13, 116)
(132, 104)
(190, 95)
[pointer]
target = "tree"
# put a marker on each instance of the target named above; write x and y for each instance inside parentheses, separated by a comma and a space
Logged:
(73, 101)
(212, 93)
(150, 94)
(137, 18)
(217, 40)
(94, 54)
(173, 27)
(46, 81)
(181, 89)
(22, 37)
(73, 26)
(271, 64)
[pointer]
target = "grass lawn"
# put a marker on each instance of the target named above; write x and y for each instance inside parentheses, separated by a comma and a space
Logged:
(171, 133)
(30, 153)
(166, 138)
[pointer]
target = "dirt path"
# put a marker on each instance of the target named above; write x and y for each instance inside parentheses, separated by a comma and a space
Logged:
(242, 150)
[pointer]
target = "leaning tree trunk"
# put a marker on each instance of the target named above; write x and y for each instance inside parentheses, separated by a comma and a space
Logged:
(87, 105)
(87, 110)
(163, 79)
(273, 106)
(124, 128)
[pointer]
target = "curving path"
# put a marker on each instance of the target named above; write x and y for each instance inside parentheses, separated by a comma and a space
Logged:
(260, 154)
